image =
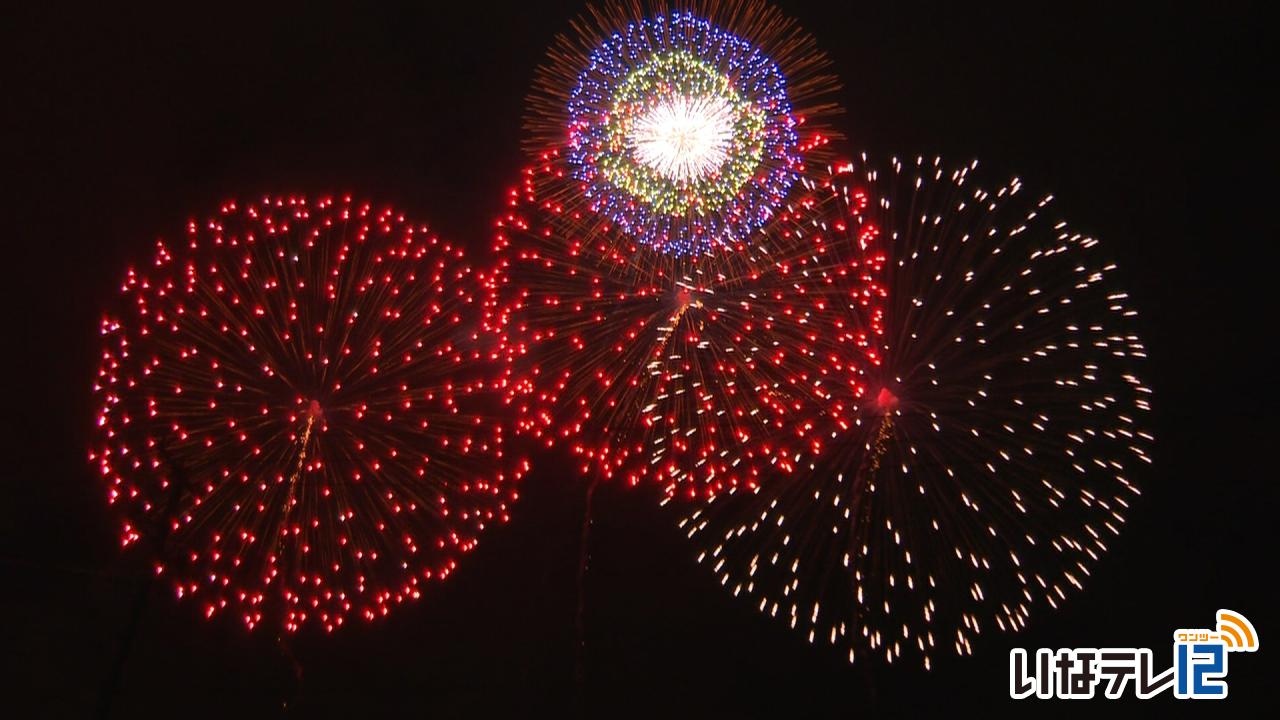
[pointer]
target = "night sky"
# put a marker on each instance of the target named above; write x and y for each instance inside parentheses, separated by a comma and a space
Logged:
(120, 124)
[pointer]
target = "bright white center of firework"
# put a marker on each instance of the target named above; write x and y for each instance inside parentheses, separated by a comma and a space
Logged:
(684, 138)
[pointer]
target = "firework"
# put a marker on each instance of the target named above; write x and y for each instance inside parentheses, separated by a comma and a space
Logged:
(685, 128)
(295, 402)
(695, 372)
(990, 461)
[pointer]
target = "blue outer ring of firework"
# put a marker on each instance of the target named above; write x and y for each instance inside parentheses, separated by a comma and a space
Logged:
(754, 76)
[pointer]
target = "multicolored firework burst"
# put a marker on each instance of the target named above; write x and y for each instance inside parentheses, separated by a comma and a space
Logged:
(993, 458)
(696, 372)
(295, 401)
(686, 128)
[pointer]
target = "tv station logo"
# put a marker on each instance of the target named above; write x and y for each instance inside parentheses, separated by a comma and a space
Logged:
(1199, 669)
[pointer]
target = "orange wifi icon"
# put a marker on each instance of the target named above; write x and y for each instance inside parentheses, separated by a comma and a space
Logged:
(1237, 632)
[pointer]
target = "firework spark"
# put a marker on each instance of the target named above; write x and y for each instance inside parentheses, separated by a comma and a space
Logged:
(991, 461)
(300, 380)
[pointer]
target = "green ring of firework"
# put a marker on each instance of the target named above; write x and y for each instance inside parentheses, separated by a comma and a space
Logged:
(677, 74)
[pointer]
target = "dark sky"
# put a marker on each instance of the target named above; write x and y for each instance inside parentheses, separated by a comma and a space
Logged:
(121, 123)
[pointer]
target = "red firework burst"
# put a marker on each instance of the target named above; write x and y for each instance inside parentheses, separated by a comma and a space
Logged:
(295, 406)
(692, 371)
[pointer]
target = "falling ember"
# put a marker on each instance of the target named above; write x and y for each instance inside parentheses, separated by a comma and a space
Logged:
(1000, 482)
(314, 411)
(886, 402)
(314, 388)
